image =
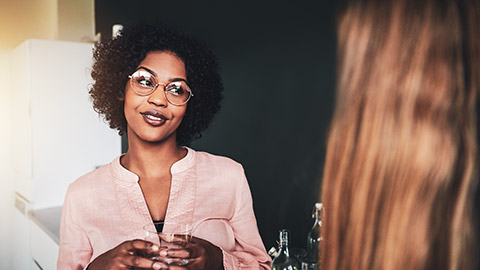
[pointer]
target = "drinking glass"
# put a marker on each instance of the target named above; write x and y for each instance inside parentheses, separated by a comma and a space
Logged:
(173, 236)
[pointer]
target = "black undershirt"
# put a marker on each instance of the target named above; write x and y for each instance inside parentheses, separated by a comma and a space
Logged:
(158, 225)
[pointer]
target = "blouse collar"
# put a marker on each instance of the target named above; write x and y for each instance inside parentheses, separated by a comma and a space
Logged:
(122, 173)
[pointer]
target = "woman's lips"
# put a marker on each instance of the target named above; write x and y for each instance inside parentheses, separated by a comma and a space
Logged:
(154, 118)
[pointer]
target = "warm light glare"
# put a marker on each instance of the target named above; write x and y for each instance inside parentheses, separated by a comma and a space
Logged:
(21, 20)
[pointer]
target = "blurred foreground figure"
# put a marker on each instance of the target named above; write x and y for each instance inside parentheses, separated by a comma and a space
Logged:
(402, 159)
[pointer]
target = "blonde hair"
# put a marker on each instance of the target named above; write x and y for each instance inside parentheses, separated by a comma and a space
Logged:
(401, 165)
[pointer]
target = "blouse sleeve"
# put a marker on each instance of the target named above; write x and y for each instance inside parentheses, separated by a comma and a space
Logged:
(250, 252)
(75, 251)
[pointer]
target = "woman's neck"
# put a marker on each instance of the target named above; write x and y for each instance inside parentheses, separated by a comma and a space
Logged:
(152, 160)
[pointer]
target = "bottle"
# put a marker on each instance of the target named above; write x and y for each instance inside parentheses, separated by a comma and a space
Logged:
(284, 260)
(314, 239)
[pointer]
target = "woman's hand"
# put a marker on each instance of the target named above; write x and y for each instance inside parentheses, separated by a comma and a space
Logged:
(127, 256)
(200, 254)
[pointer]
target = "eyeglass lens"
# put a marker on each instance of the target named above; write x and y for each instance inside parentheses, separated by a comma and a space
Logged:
(144, 83)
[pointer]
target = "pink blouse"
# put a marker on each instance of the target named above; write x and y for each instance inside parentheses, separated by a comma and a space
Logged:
(106, 207)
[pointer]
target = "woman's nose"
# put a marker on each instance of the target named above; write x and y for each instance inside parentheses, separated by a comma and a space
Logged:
(157, 97)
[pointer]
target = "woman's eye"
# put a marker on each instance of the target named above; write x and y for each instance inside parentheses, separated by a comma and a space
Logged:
(145, 82)
(175, 90)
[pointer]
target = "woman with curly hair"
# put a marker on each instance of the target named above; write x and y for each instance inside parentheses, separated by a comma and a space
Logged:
(163, 89)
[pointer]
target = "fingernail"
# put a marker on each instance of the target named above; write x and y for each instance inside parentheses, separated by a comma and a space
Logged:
(155, 248)
(158, 265)
(163, 253)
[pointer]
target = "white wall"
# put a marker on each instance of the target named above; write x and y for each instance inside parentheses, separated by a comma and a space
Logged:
(76, 20)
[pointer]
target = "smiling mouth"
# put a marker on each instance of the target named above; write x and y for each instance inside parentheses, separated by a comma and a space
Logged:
(154, 118)
(149, 116)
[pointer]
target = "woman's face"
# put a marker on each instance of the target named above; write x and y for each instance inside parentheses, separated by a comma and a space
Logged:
(152, 118)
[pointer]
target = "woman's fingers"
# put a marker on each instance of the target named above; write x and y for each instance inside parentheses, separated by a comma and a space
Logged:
(137, 261)
(129, 255)
(137, 253)
(196, 255)
(176, 253)
(138, 244)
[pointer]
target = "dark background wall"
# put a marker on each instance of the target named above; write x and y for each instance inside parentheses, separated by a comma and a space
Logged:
(277, 60)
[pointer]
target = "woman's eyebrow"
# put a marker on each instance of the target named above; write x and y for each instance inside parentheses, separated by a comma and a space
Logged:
(147, 69)
(155, 74)
(178, 79)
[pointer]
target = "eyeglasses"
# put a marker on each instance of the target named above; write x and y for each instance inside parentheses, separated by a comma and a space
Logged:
(144, 83)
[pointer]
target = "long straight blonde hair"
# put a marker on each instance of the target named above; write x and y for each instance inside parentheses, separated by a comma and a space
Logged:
(401, 164)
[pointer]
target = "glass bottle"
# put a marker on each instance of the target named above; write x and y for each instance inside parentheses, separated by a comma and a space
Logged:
(314, 238)
(284, 260)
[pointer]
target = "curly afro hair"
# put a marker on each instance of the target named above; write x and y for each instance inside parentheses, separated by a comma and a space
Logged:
(116, 59)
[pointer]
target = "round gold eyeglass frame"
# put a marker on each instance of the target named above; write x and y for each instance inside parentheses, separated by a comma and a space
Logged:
(166, 89)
